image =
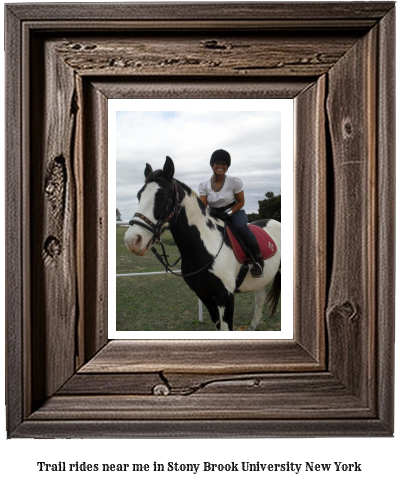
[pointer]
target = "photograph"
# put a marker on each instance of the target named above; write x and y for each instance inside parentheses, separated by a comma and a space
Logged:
(198, 227)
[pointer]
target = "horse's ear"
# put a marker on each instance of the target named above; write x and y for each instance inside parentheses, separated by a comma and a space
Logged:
(168, 169)
(147, 170)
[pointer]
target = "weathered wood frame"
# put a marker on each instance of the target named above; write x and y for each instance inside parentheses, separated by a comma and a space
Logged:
(64, 379)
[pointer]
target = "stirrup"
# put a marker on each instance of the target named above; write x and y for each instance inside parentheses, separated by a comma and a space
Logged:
(254, 268)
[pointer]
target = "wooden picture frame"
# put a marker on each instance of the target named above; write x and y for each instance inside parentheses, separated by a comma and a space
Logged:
(64, 378)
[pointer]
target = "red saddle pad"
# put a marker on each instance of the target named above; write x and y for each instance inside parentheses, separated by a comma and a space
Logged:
(267, 245)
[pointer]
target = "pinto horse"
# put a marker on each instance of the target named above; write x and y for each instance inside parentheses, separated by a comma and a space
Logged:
(208, 263)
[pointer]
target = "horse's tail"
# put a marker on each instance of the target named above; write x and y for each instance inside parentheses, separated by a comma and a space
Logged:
(273, 295)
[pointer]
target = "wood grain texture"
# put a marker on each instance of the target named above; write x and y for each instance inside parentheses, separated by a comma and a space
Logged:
(177, 87)
(310, 230)
(242, 54)
(386, 243)
(16, 264)
(277, 396)
(352, 126)
(113, 384)
(200, 406)
(192, 428)
(335, 377)
(53, 213)
(361, 13)
(95, 157)
(200, 356)
(185, 384)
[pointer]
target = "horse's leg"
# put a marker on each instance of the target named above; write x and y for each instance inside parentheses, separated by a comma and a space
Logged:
(226, 311)
(211, 306)
(260, 296)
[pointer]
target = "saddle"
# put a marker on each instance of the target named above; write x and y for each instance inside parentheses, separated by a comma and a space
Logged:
(266, 244)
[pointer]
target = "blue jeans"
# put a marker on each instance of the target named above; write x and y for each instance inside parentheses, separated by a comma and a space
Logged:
(239, 221)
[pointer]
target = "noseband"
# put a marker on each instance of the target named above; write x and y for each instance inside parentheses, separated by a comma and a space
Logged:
(156, 228)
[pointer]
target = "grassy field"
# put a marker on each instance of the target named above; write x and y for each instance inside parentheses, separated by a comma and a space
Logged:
(165, 302)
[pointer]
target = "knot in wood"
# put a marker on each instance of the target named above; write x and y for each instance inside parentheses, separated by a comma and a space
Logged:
(90, 47)
(52, 246)
(213, 44)
(346, 310)
(54, 186)
(161, 390)
(347, 128)
(349, 310)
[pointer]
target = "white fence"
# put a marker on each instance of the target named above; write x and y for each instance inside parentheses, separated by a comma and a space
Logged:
(136, 274)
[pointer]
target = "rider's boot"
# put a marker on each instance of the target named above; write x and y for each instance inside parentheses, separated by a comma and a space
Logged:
(257, 269)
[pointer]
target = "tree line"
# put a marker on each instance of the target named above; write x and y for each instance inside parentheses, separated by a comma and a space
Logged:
(269, 208)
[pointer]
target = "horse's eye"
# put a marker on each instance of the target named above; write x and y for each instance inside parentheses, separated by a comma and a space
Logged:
(162, 195)
(160, 203)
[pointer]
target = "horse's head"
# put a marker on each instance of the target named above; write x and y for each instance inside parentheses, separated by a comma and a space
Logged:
(156, 200)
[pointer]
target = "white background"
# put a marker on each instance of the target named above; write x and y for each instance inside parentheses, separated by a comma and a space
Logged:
(379, 457)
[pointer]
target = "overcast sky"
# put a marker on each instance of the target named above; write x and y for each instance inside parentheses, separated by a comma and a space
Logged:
(252, 138)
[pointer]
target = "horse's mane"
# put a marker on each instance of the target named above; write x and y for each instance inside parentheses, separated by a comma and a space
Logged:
(159, 174)
(185, 187)
(154, 175)
(191, 192)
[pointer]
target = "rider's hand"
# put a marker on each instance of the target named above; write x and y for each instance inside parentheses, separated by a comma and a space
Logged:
(222, 215)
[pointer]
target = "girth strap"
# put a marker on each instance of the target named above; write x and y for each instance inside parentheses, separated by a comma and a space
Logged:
(241, 276)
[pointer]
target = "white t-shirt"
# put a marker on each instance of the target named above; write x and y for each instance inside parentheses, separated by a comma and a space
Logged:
(225, 196)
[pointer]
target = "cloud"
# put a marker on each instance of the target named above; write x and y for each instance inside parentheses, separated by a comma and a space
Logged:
(189, 138)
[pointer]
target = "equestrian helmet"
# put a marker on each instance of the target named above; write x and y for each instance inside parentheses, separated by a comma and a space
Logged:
(220, 155)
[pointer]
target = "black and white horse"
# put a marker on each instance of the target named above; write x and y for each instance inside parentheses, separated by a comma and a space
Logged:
(208, 263)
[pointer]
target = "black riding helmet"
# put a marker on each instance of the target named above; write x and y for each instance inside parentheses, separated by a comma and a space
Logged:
(220, 155)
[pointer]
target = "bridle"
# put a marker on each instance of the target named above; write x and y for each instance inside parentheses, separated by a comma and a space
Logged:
(157, 228)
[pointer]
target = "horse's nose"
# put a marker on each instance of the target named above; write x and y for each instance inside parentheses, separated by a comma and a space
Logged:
(134, 243)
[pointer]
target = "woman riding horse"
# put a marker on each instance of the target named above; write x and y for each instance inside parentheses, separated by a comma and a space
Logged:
(225, 196)
(208, 262)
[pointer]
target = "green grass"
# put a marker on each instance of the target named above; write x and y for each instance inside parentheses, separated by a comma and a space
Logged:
(165, 302)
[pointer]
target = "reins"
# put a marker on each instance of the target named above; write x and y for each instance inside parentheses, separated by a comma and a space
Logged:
(156, 230)
(168, 266)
